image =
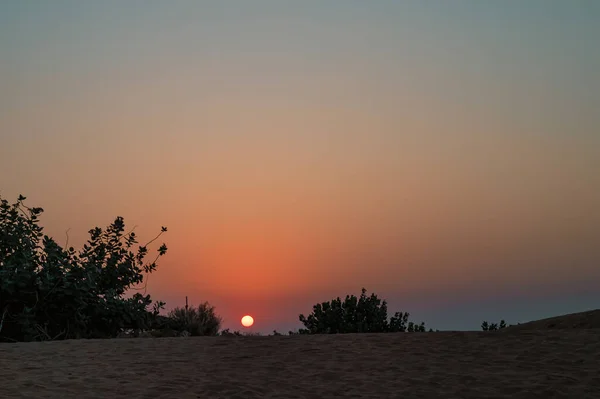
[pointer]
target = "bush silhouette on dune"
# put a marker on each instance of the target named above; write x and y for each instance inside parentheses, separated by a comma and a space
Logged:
(49, 292)
(198, 321)
(365, 314)
(485, 326)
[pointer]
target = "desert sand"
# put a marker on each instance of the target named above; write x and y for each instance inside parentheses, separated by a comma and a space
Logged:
(517, 363)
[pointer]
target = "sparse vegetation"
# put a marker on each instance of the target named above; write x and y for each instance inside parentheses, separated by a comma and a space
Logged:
(485, 326)
(227, 333)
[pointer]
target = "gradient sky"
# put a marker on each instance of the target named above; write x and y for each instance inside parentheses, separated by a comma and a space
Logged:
(444, 154)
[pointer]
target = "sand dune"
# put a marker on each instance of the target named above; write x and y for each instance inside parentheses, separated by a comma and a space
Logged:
(524, 364)
(589, 319)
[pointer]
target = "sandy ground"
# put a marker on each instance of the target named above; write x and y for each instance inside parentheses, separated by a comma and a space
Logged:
(522, 364)
(581, 320)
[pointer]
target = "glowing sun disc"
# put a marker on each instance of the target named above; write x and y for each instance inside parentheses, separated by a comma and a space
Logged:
(247, 321)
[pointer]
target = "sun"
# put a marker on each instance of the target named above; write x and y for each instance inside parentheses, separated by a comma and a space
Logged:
(247, 321)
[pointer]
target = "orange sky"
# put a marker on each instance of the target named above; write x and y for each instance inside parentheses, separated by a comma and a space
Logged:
(300, 153)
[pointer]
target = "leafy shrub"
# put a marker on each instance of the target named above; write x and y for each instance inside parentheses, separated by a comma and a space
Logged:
(197, 321)
(48, 292)
(365, 314)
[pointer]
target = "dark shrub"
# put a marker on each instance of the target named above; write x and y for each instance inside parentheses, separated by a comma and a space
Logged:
(197, 321)
(48, 292)
(365, 314)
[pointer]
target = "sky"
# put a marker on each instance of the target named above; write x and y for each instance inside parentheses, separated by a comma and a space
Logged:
(443, 154)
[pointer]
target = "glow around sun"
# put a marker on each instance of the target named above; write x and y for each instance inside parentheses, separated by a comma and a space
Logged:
(247, 321)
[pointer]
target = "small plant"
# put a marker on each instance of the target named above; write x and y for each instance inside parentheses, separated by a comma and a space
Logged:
(485, 326)
(199, 321)
(227, 333)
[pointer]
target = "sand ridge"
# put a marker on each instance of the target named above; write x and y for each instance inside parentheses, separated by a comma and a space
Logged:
(580, 320)
(528, 364)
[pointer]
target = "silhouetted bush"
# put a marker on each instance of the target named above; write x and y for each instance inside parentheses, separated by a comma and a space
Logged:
(199, 321)
(365, 314)
(485, 326)
(47, 292)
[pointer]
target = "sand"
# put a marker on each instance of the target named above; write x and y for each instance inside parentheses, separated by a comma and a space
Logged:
(581, 320)
(521, 364)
